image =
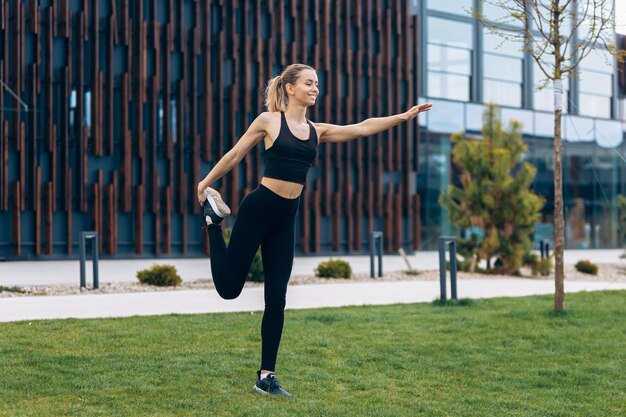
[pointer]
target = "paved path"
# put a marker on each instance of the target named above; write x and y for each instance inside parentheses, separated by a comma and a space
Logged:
(300, 296)
(251, 299)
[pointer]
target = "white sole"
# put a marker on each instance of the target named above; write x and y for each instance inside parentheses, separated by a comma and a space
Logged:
(259, 390)
(216, 202)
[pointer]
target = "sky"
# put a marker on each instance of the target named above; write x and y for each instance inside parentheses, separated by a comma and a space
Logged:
(620, 16)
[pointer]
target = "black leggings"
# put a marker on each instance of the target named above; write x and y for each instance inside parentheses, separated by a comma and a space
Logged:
(265, 219)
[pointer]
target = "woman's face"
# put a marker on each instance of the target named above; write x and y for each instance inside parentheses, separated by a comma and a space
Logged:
(305, 90)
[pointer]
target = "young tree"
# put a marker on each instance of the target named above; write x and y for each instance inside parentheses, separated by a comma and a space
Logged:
(495, 193)
(621, 221)
(558, 35)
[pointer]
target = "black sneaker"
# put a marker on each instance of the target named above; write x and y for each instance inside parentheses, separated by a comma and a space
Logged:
(214, 207)
(269, 385)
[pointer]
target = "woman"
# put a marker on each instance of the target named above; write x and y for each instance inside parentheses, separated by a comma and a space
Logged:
(267, 215)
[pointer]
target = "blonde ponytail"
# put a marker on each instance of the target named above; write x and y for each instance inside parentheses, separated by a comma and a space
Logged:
(276, 98)
(275, 95)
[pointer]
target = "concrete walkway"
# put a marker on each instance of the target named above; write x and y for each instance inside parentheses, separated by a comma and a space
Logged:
(251, 299)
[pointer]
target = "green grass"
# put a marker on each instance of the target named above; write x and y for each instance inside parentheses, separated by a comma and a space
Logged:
(500, 357)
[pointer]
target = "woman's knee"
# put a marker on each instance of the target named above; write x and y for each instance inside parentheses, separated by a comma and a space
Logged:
(228, 293)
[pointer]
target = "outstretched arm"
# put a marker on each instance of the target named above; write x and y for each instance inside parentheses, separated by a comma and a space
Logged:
(335, 133)
(254, 134)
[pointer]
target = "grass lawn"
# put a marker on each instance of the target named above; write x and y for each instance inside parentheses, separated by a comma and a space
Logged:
(498, 357)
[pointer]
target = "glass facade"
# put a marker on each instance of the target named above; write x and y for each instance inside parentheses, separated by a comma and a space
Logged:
(593, 124)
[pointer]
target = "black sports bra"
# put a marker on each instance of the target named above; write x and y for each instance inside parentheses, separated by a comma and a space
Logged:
(290, 158)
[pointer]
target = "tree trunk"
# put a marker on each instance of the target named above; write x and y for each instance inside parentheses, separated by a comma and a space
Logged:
(559, 237)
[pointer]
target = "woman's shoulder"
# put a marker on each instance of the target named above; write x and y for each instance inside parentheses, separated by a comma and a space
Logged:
(269, 116)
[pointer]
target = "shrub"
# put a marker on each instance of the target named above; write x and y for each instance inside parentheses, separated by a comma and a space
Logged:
(11, 289)
(587, 267)
(532, 260)
(544, 267)
(159, 275)
(334, 268)
(255, 273)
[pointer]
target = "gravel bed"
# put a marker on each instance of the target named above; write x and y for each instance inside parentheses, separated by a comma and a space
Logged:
(606, 273)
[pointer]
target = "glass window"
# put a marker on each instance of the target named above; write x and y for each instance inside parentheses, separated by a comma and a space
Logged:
(449, 118)
(496, 43)
(525, 117)
(87, 111)
(454, 87)
(577, 129)
(544, 124)
(598, 60)
(449, 59)
(450, 33)
(595, 106)
(608, 133)
(474, 116)
(502, 71)
(462, 7)
(442, 58)
(596, 82)
(591, 13)
(499, 14)
(495, 65)
(503, 93)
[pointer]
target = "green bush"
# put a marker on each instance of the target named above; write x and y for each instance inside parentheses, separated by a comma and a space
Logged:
(587, 267)
(532, 261)
(255, 273)
(160, 275)
(334, 268)
(544, 267)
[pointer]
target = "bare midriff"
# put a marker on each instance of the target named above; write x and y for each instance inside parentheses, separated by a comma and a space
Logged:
(285, 189)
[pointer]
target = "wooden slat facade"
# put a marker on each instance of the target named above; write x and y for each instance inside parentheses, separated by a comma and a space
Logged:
(131, 103)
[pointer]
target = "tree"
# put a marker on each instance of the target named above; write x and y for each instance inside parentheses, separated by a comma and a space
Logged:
(558, 34)
(495, 193)
(621, 222)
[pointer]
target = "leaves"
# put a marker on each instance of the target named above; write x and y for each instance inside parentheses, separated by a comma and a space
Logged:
(493, 192)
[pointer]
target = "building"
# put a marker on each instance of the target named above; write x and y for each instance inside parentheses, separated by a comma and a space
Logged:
(123, 106)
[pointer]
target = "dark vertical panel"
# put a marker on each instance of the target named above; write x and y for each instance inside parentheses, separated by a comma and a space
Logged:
(37, 208)
(157, 218)
(32, 139)
(304, 213)
(416, 221)
(96, 211)
(17, 225)
(109, 106)
(54, 149)
(139, 210)
(96, 126)
(4, 159)
(81, 130)
(388, 218)
(65, 133)
(126, 168)
(167, 225)
(316, 218)
(207, 90)
(49, 196)
(69, 211)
